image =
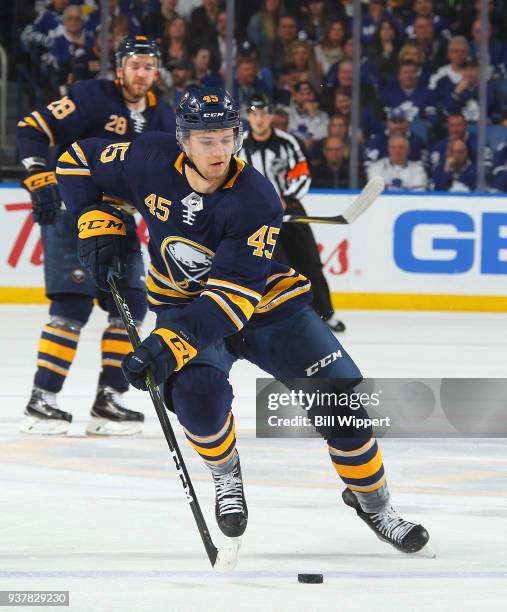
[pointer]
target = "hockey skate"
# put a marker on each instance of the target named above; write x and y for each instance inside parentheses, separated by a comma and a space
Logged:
(44, 416)
(389, 527)
(109, 417)
(335, 324)
(231, 510)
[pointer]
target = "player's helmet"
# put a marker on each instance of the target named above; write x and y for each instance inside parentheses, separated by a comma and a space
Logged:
(208, 108)
(260, 101)
(137, 45)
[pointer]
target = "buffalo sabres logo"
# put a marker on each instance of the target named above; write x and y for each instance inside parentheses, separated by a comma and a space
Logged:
(187, 263)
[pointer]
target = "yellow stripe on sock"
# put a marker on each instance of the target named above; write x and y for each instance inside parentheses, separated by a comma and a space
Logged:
(56, 350)
(218, 450)
(360, 471)
(123, 347)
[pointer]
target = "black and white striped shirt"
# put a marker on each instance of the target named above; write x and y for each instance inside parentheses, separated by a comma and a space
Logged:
(281, 160)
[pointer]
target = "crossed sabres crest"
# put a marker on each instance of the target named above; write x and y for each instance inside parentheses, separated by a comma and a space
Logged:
(186, 263)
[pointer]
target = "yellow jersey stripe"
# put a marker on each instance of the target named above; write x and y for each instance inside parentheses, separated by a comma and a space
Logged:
(246, 307)
(225, 307)
(68, 159)
(80, 153)
(150, 284)
(78, 171)
(279, 288)
(178, 164)
(283, 298)
(44, 126)
(271, 278)
(217, 282)
(240, 164)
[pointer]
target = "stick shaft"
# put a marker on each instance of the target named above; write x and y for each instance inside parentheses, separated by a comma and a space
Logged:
(167, 429)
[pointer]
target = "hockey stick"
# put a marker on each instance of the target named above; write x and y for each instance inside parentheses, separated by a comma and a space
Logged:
(364, 200)
(225, 558)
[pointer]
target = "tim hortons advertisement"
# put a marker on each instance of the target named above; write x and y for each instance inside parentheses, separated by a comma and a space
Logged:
(406, 251)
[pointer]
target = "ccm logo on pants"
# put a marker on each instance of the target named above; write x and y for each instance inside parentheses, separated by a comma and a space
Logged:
(325, 361)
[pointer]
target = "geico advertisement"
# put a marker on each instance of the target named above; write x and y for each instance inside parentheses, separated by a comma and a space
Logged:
(402, 244)
(415, 244)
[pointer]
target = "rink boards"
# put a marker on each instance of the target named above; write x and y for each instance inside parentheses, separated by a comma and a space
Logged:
(421, 252)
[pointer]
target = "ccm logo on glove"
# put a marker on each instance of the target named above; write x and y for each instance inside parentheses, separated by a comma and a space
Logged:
(100, 223)
(41, 179)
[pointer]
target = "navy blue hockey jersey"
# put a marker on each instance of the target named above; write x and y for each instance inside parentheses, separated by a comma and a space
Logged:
(92, 108)
(211, 254)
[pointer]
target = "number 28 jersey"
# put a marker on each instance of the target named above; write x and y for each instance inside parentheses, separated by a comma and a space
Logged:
(211, 254)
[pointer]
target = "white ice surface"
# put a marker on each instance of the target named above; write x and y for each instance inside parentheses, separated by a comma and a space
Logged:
(106, 519)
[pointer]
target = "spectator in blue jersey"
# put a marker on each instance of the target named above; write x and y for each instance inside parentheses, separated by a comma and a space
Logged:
(434, 46)
(497, 50)
(425, 8)
(413, 52)
(155, 22)
(464, 97)
(371, 18)
(399, 173)
(457, 172)
(417, 102)
(36, 35)
(115, 9)
(376, 147)
(448, 76)
(457, 128)
(72, 41)
(499, 175)
(306, 121)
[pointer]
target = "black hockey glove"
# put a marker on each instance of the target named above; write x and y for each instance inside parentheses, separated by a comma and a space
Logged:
(103, 243)
(46, 200)
(164, 351)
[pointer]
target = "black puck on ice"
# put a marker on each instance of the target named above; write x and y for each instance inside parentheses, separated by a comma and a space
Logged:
(311, 578)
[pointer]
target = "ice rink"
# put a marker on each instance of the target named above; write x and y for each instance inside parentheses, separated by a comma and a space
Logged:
(106, 519)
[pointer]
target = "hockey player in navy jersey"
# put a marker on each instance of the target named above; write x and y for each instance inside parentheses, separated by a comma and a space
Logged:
(120, 110)
(218, 295)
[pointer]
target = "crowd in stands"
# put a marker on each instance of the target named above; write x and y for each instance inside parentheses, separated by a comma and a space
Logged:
(419, 75)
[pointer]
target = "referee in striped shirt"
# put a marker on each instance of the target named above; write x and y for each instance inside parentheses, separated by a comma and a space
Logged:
(279, 157)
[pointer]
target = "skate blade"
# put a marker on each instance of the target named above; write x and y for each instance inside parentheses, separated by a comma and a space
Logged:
(227, 557)
(45, 427)
(98, 426)
(426, 552)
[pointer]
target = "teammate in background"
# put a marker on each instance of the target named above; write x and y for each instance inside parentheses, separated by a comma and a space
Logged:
(278, 156)
(218, 294)
(119, 110)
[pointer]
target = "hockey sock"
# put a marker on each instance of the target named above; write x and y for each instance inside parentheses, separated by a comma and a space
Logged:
(115, 345)
(218, 450)
(359, 464)
(57, 348)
